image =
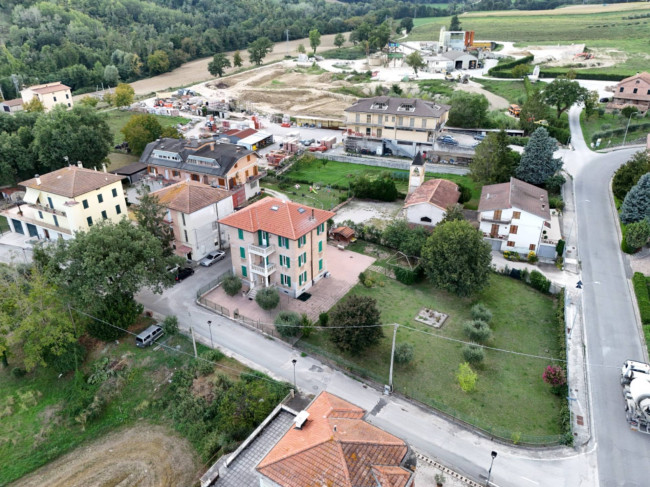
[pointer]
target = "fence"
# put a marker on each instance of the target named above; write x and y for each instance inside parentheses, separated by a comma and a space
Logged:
(217, 308)
(257, 325)
(212, 284)
(387, 163)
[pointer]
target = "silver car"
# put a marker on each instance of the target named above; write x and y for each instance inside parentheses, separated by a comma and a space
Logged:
(212, 257)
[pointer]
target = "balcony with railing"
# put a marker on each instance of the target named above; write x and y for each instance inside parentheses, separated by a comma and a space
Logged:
(263, 251)
(263, 270)
(26, 214)
(47, 209)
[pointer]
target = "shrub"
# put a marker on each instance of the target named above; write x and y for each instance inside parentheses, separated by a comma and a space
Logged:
(559, 248)
(532, 257)
(642, 296)
(72, 356)
(555, 376)
(477, 331)
(170, 325)
(307, 325)
(539, 282)
(465, 194)
(267, 298)
(473, 354)
(18, 372)
(404, 353)
(466, 377)
(362, 277)
(407, 276)
(323, 319)
(481, 312)
(637, 234)
(556, 202)
(288, 323)
(213, 355)
(231, 285)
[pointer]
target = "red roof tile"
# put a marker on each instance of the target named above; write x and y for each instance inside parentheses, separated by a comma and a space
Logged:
(439, 192)
(48, 88)
(284, 218)
(515, 194)
(72, 181)
(189, 196)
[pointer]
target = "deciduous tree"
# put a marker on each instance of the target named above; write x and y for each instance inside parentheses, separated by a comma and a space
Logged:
(314, 39)
(494, 161)
(415, 61)
(140, 130)
(339, 40)
(406, 24)
(111, 75)
(537, 162)
(158, 62)
(267, 298)
(629, 173)
(591, 103)
(533, 110)
(520, 70)
(468, 110)
(636, 205)
(562, 93)
(123, 95)
(237, 60)
(354, 324)
(34, 105)
(258, 49)
(218, 64)
(149, 214)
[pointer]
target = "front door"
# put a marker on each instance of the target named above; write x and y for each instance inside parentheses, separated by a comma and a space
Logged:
(494, 232)
(46, 234)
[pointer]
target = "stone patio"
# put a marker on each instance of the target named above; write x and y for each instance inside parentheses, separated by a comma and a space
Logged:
(344, 267)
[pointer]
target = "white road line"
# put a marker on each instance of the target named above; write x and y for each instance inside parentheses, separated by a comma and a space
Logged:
(531, 481)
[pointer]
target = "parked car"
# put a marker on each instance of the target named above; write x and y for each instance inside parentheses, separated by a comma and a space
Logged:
(212, 257)
(447, 139)
(479, 136)
(184, 273)
(604, 99)
(148, 336)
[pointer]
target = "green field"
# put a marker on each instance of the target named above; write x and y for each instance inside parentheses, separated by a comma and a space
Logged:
(513, 91)
(523, 321)
(608, 121)
(596, 30)
(117, 119)
(4, 226)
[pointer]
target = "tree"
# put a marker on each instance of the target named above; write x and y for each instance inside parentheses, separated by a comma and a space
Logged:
(454, 25)
(637, 234)
(453, 213)
(629, 173)
(404, 353)
(267, 298)
(258, 49)
(537, 162)
(591, 103)
(494, 162)
(149, 214)
(218, 64)
(468, 110)
(466, 377)
(301, 49)
(477, 330)
(456, 258)
(111, 75)
(231, 285)
(379, 36)
(399, 235)
(314, 39)
(140, 130)
(123, 95)
(356, 320)
(62, 135)
(34, 105)
(288, 323)
(533, 110)
(339, 40)
(237, 60)
(415, 61)
(406, 24)
(628, 111)
(170, 325)
(636, 205)
(473, 354)
(90, 101)
(158, 62)
(520, 71)
(562, 93)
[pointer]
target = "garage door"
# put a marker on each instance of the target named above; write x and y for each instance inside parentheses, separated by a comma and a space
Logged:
(18, 226)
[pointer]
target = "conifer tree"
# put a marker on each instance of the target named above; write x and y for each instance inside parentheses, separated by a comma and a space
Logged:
(636, 205)
(537, 162)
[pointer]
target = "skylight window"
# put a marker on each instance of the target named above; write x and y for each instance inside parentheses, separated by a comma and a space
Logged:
(275, 208)
(301, 210)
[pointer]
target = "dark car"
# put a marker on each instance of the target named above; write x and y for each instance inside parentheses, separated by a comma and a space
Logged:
(184, 273)
(448, 139)
(604, 99)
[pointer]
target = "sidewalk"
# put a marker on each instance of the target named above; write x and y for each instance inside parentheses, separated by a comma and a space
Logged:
(15, 248)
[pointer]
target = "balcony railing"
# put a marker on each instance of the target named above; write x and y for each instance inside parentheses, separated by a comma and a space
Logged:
(496, 220)
(262, 270)
(46, 209)
(259, 250)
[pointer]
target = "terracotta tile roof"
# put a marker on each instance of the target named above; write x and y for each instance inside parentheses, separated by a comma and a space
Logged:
(48, 88)
(439, 192)
(284, 218)
(345, 232)
(336, 447)
(13, 103)
(189, 196)
(515, 194)
(72, 181)
(644, 76)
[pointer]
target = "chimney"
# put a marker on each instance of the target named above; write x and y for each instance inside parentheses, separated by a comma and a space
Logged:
(104, 167)
(38, 180)
(312, 214)
(79, 164)
(212, 146)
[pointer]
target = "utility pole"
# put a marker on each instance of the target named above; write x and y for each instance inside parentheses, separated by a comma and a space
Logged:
(628, 126)
(196, 355)
(392, 358)
(287, 34)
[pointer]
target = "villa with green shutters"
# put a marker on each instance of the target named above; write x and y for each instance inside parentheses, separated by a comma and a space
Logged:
(279, 243)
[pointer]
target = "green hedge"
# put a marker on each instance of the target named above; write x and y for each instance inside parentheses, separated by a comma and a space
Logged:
(642, 296)
(407, 276)
(619, 131)
(503, 70)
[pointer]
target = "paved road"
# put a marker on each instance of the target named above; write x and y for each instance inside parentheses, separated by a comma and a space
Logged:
(611, 325)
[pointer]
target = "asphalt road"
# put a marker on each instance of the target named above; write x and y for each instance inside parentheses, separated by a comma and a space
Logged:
(611, 325)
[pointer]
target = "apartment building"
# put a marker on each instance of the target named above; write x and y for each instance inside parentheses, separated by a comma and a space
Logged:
(50, 95)
(279, 243)
(60, 203)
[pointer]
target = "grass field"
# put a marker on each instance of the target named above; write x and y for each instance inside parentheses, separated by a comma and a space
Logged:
(608, 121)
(120, 159)
(607, 29)
(4, 226)
(117, 119)
(513, 91)
(523, 321)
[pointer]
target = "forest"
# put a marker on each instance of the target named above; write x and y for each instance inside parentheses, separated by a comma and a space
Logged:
(85, 43)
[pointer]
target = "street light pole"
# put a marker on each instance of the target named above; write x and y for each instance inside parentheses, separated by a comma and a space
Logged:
(293, 361)
(627, 127)
(210, 328)
(494, 455)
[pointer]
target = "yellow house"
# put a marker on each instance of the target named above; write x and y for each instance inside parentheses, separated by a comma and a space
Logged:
(401, 124)
(279, 243)
(63, 202)
(50, 95)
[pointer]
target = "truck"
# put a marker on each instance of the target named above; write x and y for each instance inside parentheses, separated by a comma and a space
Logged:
(635, 380)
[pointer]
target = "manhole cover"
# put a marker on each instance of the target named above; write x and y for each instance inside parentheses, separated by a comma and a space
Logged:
(581, 420)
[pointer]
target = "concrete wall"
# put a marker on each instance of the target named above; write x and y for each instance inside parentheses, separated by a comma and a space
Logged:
(415, 213)
(529, 229)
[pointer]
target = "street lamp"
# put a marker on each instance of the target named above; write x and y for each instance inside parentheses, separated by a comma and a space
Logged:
(494, 455)
(210, 328)
(293, 361)
(627, 127)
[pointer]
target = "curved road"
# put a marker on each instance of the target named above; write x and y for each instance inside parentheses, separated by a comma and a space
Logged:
(611, 327)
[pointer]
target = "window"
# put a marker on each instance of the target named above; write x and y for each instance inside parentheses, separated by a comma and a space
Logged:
(85, 204)
(248, 158)
(368, 132)
(620, 90)
(400, 120)
(104, 215)
(100, 198)
(89, 220)
(54, 98)
(320, 265)
(40, 214)
(185, 233)
(511, 243)
(412, 122)
(240, 232)
(283, 242)
(244, 271)
(648, 92)
(320, 246)
(285, 261)
(497, 214)
(118, 210)
(379, 133)
(516, 215)
(285, 280)
(513, 229)
(56, 220)
(531, 247)
(49, 202)
(69, 105)
(114, 192)
(635, 90)
(357, 118)
(67, 97)
(368, 118)
(183, 218)
(424, 123)
(242, 252)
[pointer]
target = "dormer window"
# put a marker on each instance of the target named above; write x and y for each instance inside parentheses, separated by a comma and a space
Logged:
(379, 106)
(406, 107)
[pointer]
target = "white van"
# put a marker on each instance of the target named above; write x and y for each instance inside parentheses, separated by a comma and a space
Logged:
(148, 336)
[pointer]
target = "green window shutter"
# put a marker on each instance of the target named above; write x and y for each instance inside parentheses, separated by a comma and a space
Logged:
(318, 230)
(282, 279)
(320, 246)
(244, 271)
(241, 233)
(289, 281)
(320, 265)
(259, 237)
(279, 241)
(282, 260)
(242, 252)
(288, 262)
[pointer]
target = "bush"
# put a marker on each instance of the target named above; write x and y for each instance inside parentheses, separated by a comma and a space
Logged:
(555, 376)
(539, 282)
(267, 298)
(637, 234)
(323, 319)
(288, 323)
(307, 325)
(407, 276)
(473, 354)
(170, 325)
(73, 355)
(466, 377)
(18, 372)
(231, 285)
(559, 248)
(532, 257)
(404, 353)
(642, 296)
(481, 312)
(362, 277)
(465, 194)
(556, 202)
(477, 331)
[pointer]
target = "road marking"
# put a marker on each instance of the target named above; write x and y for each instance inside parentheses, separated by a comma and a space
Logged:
(532, 481)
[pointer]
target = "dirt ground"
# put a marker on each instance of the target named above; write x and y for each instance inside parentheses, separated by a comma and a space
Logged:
(143, 456)
(572, 9)
(496, 102)
(197, 71)
(376, 213)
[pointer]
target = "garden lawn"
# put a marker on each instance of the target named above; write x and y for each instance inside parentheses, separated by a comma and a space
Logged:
(513, 91)
(323, 198)
(510, 398)
(117, 119)
(4, 226)
(591, 127)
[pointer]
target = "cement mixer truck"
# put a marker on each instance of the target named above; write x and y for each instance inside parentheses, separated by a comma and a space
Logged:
(635, 379)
